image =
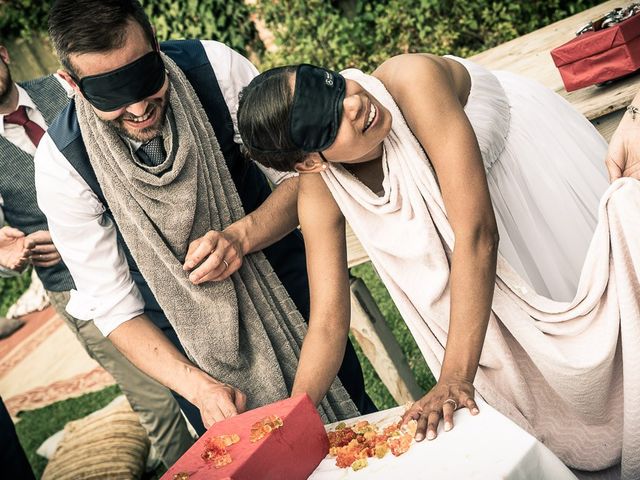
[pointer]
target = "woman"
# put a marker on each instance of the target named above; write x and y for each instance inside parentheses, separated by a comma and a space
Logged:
(429, 150)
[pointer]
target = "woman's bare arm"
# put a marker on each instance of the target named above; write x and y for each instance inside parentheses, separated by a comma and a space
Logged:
(323, 227)
(431, 100)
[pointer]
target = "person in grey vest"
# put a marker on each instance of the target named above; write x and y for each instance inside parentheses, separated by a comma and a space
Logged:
(179, 250)
(25, 111)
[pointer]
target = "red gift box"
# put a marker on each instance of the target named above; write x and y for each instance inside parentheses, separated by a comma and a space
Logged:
(292, 451)
(600, 56)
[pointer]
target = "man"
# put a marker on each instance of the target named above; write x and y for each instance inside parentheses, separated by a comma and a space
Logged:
(25, 111)
(141, 174)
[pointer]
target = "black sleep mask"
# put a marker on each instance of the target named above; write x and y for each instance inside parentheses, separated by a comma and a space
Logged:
(316, 111)
(126, 85)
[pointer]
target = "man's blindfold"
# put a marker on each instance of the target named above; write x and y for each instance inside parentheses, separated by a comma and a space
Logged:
(126, 85)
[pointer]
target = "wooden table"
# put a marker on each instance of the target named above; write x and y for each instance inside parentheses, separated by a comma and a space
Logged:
(527, 56)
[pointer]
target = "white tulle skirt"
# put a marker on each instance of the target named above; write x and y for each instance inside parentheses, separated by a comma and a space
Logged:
(546, 174)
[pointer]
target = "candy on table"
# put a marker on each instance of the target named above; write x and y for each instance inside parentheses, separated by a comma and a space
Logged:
(353, 445)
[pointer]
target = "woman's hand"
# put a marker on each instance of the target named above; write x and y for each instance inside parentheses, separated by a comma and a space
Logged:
(442, 400)
(42, 251)
(623, 156)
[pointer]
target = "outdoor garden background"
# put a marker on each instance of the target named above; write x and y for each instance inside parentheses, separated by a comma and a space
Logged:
(336, 34)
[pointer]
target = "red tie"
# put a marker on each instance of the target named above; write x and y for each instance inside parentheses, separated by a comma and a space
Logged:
(31, 128)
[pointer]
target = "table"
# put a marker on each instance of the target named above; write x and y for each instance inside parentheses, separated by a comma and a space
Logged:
(486, 446)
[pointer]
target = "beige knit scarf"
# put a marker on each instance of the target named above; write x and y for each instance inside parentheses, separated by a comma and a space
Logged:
(245, 330)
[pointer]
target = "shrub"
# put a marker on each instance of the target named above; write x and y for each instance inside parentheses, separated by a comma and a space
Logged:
(11, 289)
(339, 34)
(225, 21)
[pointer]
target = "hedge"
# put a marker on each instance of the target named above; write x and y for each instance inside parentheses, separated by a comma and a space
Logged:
(363, 34)
(334, 33)
(226, 21)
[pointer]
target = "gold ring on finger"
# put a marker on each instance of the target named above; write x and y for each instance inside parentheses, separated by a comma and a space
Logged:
(226, 265)
(452, 402)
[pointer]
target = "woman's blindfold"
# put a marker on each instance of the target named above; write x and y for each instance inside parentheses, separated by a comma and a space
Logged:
(316, 109)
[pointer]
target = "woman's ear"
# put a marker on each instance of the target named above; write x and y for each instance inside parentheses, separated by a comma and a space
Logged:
(311, 164)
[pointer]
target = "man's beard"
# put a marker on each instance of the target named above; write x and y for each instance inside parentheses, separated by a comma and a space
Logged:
(6, 83)
(145, 134)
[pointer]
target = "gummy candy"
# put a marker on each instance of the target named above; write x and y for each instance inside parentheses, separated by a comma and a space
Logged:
(353, 445)
(263, 427)
(216, 450)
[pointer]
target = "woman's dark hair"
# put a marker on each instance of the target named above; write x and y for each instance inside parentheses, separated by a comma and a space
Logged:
(263, 120)
(88, 26)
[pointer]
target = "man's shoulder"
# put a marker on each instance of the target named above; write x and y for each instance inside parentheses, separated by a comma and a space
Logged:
(187, 54)
(45, 82)
(65, 129)
(190, 54)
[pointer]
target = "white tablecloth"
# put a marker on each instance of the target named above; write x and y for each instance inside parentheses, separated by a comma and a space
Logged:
(487, 446)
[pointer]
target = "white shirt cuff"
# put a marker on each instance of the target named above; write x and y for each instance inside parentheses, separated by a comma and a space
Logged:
(107, 313)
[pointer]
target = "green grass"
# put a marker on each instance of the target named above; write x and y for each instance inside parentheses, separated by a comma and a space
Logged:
(375, 388)
(35, 426)
(11, 288)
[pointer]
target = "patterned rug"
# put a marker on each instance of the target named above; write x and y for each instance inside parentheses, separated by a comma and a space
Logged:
(43, 363)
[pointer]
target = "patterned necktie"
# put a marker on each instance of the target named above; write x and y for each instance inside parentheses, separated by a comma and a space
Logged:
(152, 153)
(32, 129)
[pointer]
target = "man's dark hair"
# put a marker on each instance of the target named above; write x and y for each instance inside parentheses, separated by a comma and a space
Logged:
(89, 26)
(264, 113)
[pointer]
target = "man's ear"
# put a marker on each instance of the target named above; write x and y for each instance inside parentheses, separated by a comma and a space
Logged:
(66, 76)
(156, 44)
(311, 164)
(4, 54)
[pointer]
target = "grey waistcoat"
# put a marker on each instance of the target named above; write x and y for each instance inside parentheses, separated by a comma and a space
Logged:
(17, 178)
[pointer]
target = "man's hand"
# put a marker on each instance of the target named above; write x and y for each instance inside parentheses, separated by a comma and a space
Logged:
(213, 257)
(623, 157)
(42, 251)
(218, 401)
(147, 347)
(14, 255)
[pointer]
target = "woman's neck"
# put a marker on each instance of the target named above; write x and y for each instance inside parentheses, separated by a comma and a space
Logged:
(369, 172)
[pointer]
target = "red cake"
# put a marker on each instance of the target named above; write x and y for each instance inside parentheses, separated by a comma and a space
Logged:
(284, 440)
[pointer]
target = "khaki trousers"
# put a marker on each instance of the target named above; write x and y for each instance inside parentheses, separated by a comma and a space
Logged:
(158, 411)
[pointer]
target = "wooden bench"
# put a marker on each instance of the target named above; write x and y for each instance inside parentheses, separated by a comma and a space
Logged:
(527, 56)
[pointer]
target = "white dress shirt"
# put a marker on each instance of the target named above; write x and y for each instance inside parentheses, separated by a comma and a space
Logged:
(16, 134)
(86, 239)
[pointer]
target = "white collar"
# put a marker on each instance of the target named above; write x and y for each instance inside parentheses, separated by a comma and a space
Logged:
(23, 100)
